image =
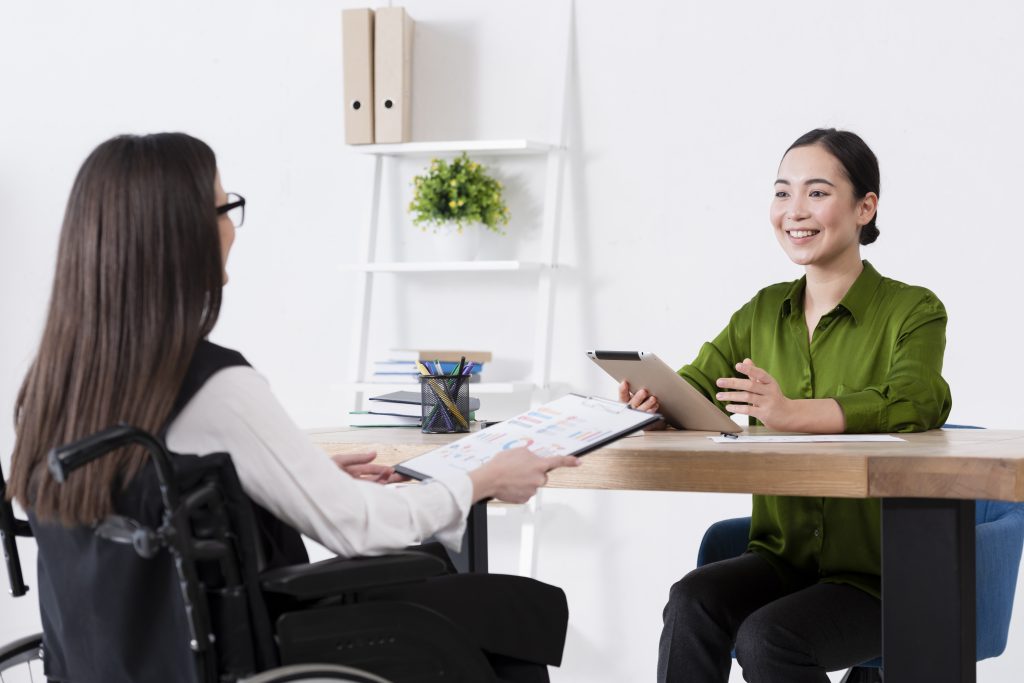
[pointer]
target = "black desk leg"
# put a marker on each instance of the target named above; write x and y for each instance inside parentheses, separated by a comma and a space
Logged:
(472, 557)
(928, 608)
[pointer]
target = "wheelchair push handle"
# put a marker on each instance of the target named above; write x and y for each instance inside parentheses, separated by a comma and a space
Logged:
(63, 460)
(10, 527)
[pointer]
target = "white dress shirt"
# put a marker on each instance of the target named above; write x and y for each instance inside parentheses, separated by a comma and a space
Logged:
(282, 470)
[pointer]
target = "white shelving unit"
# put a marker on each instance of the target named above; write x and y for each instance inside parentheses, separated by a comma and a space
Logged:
(476, 388)
(367, 267)
(442, 266)
(545, 269)
(420, 149)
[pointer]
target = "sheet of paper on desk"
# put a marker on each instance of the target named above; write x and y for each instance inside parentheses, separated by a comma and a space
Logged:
(803, 438)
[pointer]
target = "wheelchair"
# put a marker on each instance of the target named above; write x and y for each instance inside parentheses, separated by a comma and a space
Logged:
(247, 622)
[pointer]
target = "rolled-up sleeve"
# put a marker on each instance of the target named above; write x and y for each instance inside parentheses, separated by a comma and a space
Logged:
(283, 471)
(913, 395)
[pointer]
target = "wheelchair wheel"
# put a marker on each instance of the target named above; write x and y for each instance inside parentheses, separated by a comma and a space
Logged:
(315, 673)
(22, 660)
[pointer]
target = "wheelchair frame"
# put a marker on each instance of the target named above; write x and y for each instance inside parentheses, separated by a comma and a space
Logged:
(306, 584)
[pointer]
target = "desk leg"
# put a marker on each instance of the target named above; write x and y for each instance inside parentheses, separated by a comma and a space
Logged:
(472, 558)
(928, 608)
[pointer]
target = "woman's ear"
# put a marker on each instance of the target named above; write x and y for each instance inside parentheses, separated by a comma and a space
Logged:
(866, 207)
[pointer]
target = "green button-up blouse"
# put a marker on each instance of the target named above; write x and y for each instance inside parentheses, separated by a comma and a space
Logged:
(879, 354)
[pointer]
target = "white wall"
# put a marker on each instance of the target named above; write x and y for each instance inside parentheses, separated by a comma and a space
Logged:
(676, 121)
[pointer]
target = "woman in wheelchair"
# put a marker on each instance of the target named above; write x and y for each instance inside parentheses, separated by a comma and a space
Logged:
(137, 289)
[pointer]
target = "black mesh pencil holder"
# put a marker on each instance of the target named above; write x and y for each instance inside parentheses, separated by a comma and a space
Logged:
(445, 403)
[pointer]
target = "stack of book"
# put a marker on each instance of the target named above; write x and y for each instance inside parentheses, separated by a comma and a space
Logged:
(396, 409)
(400, 366)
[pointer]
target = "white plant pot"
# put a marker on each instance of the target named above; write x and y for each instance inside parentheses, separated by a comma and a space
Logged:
(451, 244)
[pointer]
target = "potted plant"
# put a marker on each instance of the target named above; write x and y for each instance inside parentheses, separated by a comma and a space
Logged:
(456, 200)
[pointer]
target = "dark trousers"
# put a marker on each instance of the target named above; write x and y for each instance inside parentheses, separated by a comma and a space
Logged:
(518, 623)
(785, 628)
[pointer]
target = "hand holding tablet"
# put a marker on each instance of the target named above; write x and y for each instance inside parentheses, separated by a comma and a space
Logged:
(680, 404)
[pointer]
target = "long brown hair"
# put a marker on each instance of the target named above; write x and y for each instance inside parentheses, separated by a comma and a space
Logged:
(137, 286)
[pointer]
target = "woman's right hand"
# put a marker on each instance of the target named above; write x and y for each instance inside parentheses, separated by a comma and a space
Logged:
(641, 400)
(515, 475)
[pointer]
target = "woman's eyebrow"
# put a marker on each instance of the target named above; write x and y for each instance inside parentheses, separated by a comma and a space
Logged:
(812, 181)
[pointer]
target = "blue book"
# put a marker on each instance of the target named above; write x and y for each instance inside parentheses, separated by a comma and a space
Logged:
(404, 367)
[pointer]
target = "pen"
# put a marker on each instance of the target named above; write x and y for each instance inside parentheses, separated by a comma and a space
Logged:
(447, 417)
(432, 417)
(438, 421)
(469, 368)
(730, 436)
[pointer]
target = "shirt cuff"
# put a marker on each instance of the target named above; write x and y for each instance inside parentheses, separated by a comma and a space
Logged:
(460, 487)
(864, 412)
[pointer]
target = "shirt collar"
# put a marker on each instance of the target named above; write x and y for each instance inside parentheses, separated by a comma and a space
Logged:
(858, 298)
(856, 301)
(794, 301)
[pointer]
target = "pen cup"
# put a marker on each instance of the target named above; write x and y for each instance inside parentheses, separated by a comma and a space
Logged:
(445, 403)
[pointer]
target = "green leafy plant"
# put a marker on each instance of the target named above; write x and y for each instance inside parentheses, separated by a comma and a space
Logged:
(458, 193)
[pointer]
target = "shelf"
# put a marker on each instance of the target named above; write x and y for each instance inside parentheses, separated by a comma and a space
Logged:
(475, 388)
(441, 266)
(456, 146)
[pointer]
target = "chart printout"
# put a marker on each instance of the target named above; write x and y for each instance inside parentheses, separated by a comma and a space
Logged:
(569, 425)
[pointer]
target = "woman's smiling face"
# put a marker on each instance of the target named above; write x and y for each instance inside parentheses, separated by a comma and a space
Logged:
(816, 217)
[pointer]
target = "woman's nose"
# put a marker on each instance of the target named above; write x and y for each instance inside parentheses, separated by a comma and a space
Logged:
(796, 210)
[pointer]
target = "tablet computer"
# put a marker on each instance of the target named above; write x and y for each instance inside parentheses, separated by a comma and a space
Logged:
(681, 405)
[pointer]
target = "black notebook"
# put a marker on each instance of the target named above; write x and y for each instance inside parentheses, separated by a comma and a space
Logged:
(406, 403)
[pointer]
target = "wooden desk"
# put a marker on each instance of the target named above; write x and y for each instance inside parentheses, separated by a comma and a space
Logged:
(927, 484)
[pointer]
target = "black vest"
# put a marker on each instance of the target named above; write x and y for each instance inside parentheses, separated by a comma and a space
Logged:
(110, 616)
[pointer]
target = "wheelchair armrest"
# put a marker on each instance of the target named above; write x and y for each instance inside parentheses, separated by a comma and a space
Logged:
(342, 575)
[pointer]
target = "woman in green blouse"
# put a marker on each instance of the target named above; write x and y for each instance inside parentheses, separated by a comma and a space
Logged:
(841, 349)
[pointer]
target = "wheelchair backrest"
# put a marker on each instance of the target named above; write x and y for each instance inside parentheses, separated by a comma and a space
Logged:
(109, 611)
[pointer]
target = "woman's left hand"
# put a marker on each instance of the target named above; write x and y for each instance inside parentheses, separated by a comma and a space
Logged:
(361, 466)
(759, 396)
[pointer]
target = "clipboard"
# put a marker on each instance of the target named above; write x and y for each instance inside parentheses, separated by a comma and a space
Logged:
(570, 425)
(683, 406)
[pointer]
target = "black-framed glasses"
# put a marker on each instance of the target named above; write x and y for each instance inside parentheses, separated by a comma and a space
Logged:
(235, 209)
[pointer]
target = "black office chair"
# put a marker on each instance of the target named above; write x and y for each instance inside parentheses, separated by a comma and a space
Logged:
(245, 623)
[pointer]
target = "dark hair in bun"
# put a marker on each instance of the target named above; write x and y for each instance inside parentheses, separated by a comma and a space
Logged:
(859, 162)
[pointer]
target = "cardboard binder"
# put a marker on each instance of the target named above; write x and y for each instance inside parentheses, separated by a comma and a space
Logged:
(357, 65)
(392, 75)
